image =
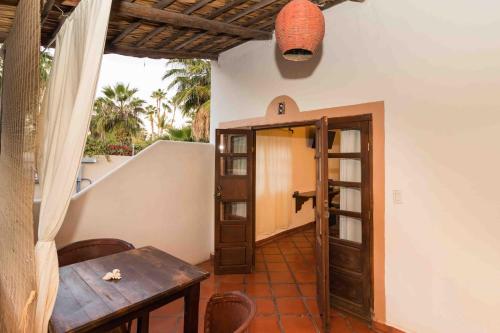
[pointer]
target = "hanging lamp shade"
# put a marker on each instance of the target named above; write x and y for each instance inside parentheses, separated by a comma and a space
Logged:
(300, 28)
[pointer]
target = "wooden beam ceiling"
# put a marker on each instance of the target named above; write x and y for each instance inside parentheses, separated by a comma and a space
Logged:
(46, 10)
(189, 10)
(330, 3)
(9, 2)
(216, 13)
(257, 19)
(233, 18)
(172, 28)
(158, 54)
(133, 10)
(160, 5)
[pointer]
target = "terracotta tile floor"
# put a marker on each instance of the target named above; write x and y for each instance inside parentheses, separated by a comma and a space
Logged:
(283, 288)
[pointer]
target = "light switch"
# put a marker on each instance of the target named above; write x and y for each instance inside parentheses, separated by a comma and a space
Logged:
(397, 197)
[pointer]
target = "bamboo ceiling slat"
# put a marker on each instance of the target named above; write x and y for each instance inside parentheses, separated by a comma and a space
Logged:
(145, 34)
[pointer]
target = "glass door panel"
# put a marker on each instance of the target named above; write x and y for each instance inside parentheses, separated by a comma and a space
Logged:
(233, 144)
(233, 166)
(236, 210)
(344, 141)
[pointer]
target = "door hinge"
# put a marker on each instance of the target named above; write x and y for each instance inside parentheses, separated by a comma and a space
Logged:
(369, 215)
(368, 145)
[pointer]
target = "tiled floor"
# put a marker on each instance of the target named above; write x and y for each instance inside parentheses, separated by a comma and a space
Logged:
(283, 287)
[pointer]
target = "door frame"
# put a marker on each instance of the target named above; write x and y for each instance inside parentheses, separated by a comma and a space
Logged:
(312, 122)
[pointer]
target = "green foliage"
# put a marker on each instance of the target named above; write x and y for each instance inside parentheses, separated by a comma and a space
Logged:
(191, 79)
(46, 61)
(179, 134)
(118, 113)
(94, 147)
(117, 120)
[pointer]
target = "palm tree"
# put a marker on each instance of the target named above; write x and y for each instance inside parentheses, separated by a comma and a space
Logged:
(118, 112)
(180, 134)
(162, 124)
(167, 108)
(174, 105)
(159, 95)
(151, 112)
(191, 78)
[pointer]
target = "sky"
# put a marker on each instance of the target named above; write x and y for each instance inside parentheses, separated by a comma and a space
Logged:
(142, 73)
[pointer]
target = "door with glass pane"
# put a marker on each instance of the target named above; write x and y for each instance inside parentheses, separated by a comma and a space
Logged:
(350, 216)
(234, 200)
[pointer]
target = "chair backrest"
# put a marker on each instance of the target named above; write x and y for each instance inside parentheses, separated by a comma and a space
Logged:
(230, 312)
(91, 249)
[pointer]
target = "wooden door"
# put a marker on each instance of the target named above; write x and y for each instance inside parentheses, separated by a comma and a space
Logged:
(322, 213)
(234, 201)
(350, 217)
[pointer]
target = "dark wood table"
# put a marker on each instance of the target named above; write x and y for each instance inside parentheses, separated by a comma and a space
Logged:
(150, 279)
(302, 197)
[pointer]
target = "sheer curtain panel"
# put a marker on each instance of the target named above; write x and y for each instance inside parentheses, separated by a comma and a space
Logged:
(273, 188)
(66, 110)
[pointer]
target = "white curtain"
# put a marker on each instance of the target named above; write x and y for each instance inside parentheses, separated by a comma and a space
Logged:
(350, 198)
(273, 188)
(66, 108)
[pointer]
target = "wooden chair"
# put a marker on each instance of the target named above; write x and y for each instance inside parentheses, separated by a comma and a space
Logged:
(230, 312)
(92, 249)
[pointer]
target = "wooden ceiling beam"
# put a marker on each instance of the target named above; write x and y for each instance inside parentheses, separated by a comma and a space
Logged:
(250, 10)
(257, 19)
(46, 10)
(330, 3)
(160, 5)
(9, 2)
(233, 18)
(158, 54)
(128, 9)
(228, 6)
(189, 10)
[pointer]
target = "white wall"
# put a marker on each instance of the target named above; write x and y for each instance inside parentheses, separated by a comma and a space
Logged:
(161, 197)
(436, 64)
(94, 171)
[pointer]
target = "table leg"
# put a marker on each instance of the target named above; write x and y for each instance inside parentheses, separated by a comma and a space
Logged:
(191, 308)
(143, 324)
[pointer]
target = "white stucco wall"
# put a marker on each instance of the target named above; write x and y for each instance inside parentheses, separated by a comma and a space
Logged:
(436, 64)
(94, 171)
(161, 197)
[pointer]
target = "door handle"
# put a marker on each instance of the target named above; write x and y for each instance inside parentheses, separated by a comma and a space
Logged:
(218, 193)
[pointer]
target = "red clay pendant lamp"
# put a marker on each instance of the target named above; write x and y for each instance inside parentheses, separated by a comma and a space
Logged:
(300, 28)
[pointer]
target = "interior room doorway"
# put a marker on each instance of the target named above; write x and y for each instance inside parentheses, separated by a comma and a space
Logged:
(274, 178)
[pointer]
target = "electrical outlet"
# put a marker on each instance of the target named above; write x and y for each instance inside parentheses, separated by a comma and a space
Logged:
(397, 197)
